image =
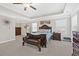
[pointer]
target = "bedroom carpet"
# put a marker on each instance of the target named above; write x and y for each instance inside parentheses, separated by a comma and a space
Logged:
(54, 48)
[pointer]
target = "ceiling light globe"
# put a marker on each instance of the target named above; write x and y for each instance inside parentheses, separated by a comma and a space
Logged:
(26, 5)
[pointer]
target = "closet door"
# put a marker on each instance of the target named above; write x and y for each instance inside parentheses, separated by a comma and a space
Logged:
(4, 31)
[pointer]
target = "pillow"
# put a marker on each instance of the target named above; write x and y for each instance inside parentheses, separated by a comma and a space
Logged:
(29, 35)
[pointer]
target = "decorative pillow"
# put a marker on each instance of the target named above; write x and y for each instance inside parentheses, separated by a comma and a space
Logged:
(29, 35)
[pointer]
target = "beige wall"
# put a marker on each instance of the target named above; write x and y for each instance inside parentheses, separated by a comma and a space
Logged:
(7, 31)
(25, 26)
(39, 25)
(53, 25)
(78, 21)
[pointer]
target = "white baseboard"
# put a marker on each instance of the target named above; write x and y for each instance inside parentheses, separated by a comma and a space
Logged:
(6, 41)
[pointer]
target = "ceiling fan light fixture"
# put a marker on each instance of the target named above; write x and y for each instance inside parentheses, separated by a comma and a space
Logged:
(26, 5)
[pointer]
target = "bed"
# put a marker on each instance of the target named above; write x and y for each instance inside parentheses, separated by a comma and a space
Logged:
(44, 29)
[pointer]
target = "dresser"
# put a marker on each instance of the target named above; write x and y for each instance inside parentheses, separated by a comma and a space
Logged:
(56, 36)
(75, 43)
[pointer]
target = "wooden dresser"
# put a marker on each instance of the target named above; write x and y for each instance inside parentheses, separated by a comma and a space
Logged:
(75, 43)
(56, 36)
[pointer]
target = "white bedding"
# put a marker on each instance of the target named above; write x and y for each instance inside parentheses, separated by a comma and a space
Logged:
(44, 31)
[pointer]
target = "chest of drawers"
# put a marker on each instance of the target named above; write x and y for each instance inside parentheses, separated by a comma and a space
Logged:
(57, 36)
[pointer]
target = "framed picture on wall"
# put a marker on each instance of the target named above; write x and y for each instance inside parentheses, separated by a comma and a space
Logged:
(47, 22)
(44, 22)
(41, 22)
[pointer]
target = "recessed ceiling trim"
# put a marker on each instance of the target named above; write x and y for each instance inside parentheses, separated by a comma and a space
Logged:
(64, 7)
(47, 15)
(14, 11)
(33, 16)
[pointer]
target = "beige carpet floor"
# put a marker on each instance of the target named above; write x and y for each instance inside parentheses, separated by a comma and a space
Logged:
(54, 48)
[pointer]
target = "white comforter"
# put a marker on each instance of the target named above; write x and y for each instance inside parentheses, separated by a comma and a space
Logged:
(47, 32)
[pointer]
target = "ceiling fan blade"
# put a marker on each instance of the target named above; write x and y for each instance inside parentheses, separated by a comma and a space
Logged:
(17, 3)
(25, 8)
(33, 7)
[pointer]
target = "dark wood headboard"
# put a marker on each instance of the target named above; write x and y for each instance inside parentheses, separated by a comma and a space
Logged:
(45, 27)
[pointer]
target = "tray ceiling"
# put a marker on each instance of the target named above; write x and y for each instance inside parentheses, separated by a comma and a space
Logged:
(43, 9)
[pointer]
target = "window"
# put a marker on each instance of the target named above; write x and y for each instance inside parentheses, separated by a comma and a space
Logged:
(74, 23)
(61, 25)
(34, 27)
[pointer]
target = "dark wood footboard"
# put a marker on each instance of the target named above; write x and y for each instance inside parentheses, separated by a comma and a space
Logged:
(37, 40)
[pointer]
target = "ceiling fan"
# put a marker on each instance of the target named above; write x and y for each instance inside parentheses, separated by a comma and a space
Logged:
(26, 5)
